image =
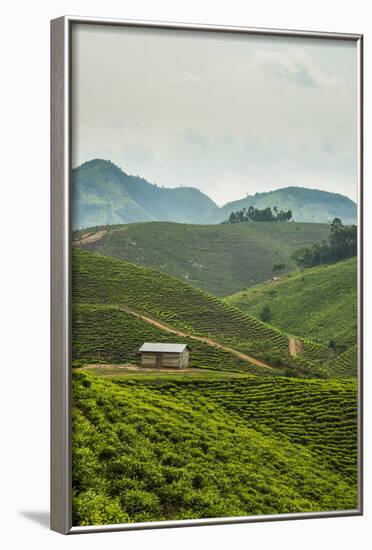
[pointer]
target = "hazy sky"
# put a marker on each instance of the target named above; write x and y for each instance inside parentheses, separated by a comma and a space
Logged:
(229, 114)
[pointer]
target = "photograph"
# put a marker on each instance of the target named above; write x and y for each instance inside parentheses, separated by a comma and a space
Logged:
(215, 295)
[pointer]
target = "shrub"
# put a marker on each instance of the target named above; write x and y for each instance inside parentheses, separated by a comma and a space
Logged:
(136, 501)
(91, 508)
(265, 314)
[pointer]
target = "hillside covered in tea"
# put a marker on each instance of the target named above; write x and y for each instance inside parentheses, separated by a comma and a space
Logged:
(322, 306)
(221, 259)
(177, 307)
(170, 448)
(260, 423)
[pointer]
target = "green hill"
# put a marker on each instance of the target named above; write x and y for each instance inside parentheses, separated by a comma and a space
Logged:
(221, 259)
(105, 289)
(172, 448)
(99, 280)
(322, 308)
(307, 205)
(104, 194)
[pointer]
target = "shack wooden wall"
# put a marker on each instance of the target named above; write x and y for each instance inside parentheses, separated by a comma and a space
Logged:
(184, 359)
(165, 360)
(149, 359)
(171, 360)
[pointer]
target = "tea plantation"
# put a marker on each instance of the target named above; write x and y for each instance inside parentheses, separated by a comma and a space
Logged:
(317, 414)
(165, 448)
(221, 259)
(322, 307)
(107, 334)
(344, 364)
(99, 280)
(228, 439)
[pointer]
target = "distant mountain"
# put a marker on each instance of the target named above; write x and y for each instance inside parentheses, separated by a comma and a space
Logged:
(103, 194)
(307, 205)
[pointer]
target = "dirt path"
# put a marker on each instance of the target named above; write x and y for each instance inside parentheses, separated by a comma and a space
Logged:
(292, 345)
(203, 339)
(91, 237)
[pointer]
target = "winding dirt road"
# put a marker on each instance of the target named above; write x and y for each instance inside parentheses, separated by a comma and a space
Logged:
(203, 339)
(292, 345)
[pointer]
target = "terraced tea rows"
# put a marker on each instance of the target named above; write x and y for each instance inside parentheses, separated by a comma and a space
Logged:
(150, 451)
(101, 280)
(345, 364)
(313, 351)
(319, 415)
(107, 334)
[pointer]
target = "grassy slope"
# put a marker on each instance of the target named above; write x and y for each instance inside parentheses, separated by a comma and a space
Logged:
(323, 307)
(108, 281)
(179, 449)
(219, 258)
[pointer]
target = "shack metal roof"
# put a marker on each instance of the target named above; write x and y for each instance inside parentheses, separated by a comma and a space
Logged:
(163, 348)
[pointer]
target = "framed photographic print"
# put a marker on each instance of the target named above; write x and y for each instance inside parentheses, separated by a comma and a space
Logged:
(206, 274)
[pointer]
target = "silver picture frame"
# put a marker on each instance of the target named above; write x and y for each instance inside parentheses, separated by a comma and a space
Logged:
(61, 170)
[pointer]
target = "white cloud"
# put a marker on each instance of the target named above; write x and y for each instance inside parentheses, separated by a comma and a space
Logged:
(294, 65)
(229, 115)
(186, 77)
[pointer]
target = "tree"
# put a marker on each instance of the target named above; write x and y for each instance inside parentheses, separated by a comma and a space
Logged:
(265, 314)
(336, 222)
(342, 244)
(268, 215)
(250, 213)
(257, 215)
(303, 258)
(283, 216)
(264, 215)
(342, 240)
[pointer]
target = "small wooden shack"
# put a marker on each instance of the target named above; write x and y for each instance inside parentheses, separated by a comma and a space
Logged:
(164, 355)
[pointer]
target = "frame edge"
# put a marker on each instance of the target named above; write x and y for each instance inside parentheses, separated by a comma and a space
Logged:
(360, 282)
(60, 490)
